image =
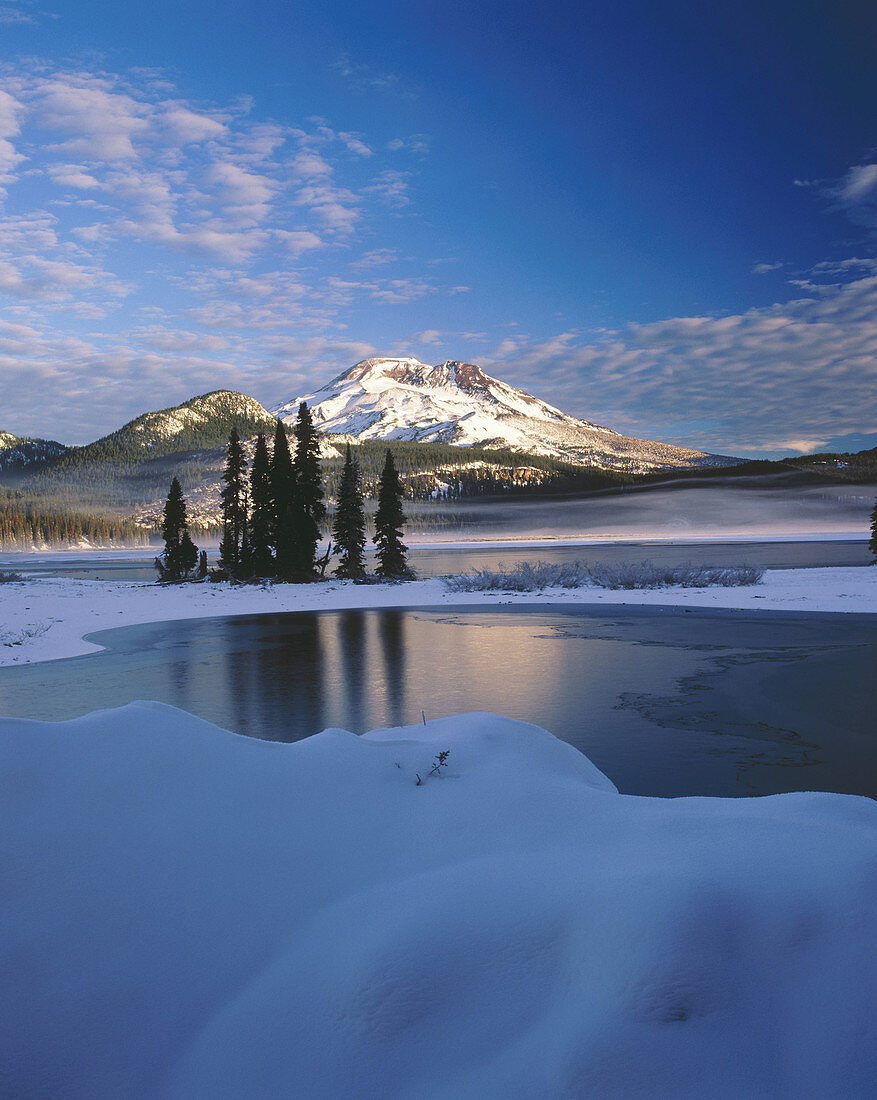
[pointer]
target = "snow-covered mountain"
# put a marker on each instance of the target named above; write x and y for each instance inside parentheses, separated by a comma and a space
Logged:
(458, 403)
(17, 452)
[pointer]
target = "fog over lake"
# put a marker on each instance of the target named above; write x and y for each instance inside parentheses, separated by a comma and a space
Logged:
(743, 509)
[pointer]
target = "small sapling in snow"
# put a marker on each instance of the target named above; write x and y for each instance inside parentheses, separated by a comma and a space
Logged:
(441, 761)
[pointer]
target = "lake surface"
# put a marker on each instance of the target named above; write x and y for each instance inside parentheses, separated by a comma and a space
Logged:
(666, 702)
(437, 561)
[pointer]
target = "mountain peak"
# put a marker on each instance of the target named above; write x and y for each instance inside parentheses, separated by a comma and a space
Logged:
(400, 398)
(406, 370)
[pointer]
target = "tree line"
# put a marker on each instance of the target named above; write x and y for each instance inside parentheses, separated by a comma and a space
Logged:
(273, 513)
(26, 522)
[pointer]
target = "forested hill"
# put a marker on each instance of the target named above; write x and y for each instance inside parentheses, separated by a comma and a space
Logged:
(201, 424)
(18, 452)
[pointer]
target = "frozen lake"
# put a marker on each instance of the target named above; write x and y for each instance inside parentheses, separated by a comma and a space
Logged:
(665, 701)
(432, 561)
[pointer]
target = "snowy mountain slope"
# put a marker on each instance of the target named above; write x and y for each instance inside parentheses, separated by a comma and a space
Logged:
(458, 403)
(17, 452)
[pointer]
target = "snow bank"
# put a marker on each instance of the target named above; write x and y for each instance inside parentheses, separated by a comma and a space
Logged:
(44, 618)
(187, 913)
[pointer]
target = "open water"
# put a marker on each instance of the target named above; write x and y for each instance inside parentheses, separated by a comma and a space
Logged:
(664, 701)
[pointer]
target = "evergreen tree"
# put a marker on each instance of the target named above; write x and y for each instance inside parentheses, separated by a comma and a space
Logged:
(872, 544)
(234, 507)
(188, 553)
(389, 521)
(202, 565)
(349, 527)
(260, 523)
(245, 566)
(309, 508)
(282, 480)
(180, 554)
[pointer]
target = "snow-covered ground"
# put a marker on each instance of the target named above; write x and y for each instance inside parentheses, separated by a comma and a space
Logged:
(43, 619)
(191, 914)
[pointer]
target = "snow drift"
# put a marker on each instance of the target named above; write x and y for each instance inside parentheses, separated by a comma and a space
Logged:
(188, 913)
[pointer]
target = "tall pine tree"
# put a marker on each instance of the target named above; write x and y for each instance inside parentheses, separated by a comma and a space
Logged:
(389, 521)
(180, 554)
(348, 529)
(282, 481)
(309, 509)
(260, 523)
(872, 544)
(234, 508)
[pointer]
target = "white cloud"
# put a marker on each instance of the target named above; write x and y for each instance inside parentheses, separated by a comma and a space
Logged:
(416, 143)
(376, 257)
(185, 126)
(802, 446)
(335, 207)
(392, 187)
(355, 144)
(12, 14)
(298, 241)
(10, 112)
(856, 194)
(308, 165)
(429, 337)
(763, 269)
(246, 195)
(73, 175)
(859, 184)
(102, 123)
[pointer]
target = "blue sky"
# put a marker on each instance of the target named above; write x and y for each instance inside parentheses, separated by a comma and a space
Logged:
(657, 216)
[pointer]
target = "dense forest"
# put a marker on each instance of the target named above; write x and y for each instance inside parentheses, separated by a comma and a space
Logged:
(26, 522)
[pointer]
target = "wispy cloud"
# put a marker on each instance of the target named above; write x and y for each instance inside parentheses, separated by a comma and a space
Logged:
(22, 13)
(364, 77)
(193, 229)
(391, 186)
(724, 382)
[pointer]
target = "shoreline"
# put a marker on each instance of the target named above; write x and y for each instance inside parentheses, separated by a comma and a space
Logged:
(47, 553)
(47, 619)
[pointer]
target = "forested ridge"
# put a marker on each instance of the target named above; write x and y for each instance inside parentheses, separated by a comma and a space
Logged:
(202, 424)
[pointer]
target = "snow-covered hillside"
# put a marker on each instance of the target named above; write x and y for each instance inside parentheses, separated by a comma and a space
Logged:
(458, 403)
(191, 914)
(17, 452)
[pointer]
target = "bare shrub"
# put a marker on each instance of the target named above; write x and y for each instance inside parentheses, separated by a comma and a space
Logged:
(7, 577)
(525, 576)
(522, 576)
(33, 630)
(646, 574)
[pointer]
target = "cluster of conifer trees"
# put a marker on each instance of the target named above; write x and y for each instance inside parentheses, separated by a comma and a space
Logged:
(273, 512)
